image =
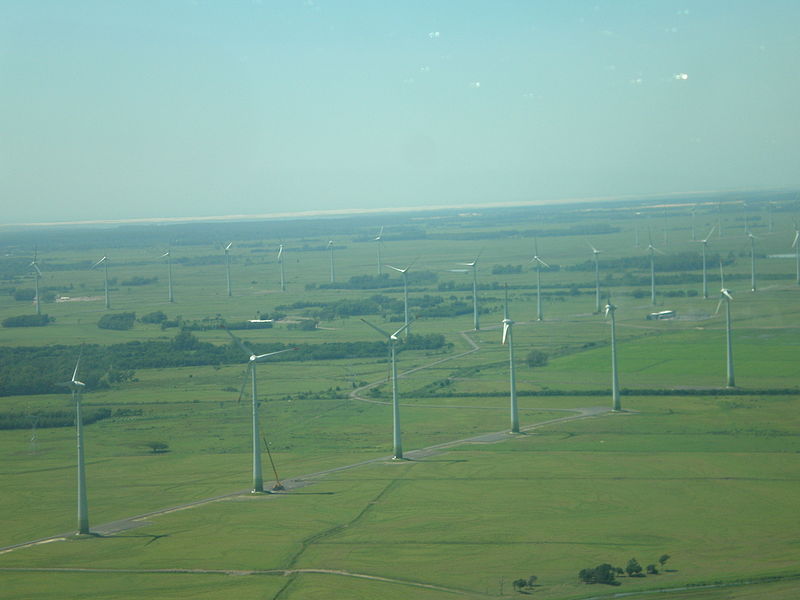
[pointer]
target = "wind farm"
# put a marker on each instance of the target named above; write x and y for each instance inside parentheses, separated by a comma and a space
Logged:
(526, 446)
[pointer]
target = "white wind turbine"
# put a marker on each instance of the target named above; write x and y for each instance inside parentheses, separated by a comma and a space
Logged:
(796, 246)
(404, 273)
(227, 250)
(330, 251)
(392, 340)
(615, 401)
(76, 388)
(280, 262)
(474, 266)
(379, 238)
(258, 479)
(652, 250)
(753, 239)
(539, 264)
(703, 248)
(104, 261)
(596, 256)
(509, 338)
(725, 296)
(694, 230)
(37, 275)
(168, 256)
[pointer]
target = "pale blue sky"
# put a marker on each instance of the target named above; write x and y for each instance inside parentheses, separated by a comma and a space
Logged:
(114, 110)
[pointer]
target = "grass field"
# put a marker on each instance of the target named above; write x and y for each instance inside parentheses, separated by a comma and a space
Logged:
(709, 479)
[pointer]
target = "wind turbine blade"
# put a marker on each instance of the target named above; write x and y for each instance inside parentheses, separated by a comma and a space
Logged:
(595, 250)
(385, 334)
(99, 262)
(458, 270)
(75, 372)
(36, 268)
(719, 304)
(239, 342)
(710, 232)
(505, 331)
(228, 247)
(260, 356)
(394, 335)
(727, 294)
(608, 308)
(280, 252)
(543, 263)
(472, 264)
(244, 383)
(796, 237)
(396, 269)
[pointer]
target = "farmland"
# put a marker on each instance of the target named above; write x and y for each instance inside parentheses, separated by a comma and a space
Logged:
(705, 474)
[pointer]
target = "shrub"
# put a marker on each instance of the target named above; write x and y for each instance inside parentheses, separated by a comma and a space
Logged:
(154, 317)
(536, 358)
(118, 321)
(27, 321)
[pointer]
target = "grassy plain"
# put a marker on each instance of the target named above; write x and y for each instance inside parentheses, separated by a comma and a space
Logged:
(708, 479)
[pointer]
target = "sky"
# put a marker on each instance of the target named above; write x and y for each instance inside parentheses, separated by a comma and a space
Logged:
(158, 108)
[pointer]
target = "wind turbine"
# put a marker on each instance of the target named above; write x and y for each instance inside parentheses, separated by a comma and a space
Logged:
(83, 509)
(104, 261)
(379, 238)
(258, 480)
(330, 250)
(392, 340)
(752, 261)
(404, 273)
(539, 264)
(725, 296)
(652, 249)
(694, 231)
(615, 402)
(703, 249)
(796, 247)
(474, 266)
(37, 275)
(596, 256)
(227, 250)
(280, 262)
(636, 227)
(508, 338)
(168, 256)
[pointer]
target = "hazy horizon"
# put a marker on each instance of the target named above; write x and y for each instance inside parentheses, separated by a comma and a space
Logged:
(145, 111)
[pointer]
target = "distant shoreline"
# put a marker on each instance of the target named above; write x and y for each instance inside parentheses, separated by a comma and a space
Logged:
(345, 212)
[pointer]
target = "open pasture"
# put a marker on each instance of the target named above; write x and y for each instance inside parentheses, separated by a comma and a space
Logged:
(707, 478)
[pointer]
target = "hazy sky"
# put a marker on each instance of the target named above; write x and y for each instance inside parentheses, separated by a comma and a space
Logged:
(173, 108)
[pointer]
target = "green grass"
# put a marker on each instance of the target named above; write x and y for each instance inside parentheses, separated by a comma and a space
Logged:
(708, 479)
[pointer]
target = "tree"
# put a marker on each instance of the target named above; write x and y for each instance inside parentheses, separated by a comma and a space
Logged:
(604, 573)
(633, 568)
(519, 584)
(651, 570)
(536, 358)
(158, 447)
(663, 560)
(532, 580)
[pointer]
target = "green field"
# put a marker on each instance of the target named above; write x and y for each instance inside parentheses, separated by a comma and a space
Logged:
(690, 469)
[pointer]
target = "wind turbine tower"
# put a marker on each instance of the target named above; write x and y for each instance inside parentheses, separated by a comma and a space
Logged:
(539, 264)
(652, 249)
(37, 275)
(725, 296)
(76, 387)
(703, 249)
(227, 250)
(404, 273)
(280, 262)
(258, 479)
(392, 340)
(615, 402)
(752, 261)
(796, 246)
(379, 239)
(168, 256)
(509, 339)
(596, 256)
(330, 251)
(474, 266)
(104, 261)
